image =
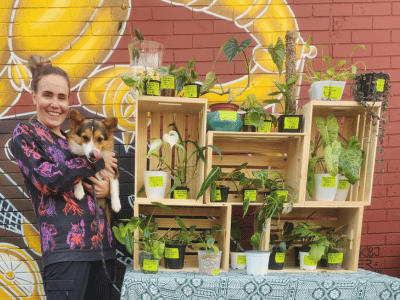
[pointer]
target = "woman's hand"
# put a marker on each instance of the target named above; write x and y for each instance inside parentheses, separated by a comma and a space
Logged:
(110, 162)
(102, 186)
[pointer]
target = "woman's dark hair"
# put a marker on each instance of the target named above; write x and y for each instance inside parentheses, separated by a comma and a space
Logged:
(40, 67)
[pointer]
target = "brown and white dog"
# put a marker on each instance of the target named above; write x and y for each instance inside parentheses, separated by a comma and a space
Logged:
(93, 139)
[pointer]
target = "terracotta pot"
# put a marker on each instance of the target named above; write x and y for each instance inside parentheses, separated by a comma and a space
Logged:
(224, 106)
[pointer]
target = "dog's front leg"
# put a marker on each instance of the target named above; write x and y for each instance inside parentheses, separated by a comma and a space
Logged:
(114, 191)
(79, 192)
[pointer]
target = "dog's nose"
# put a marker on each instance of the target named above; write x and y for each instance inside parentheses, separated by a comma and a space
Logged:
(94, 155)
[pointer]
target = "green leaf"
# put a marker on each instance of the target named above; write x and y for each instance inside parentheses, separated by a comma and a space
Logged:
(245, 44)
(129, 243)
(331, 154)
(350, 160)
(118, 235)
(191, 64)
(139, 35)
(328, 129)
(119, 26)
(292, 80)
(208, 83)
(212, 177)
(310, 176)
(129, 79)
(277, 53)
(141, 190)
(326, 58)
(340, 63)
(180, 83)
(163, 206)
(180, 223)
(316, 252)
(255, 240)
(246, 204)
(231, 49)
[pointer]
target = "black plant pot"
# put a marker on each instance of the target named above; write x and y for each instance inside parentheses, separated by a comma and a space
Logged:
(297, 256)
(371, 85)
(247, 127)
(174, 257)
(276, 259)
(221, 194)
(266, 128)
(180, 192)
(168, 86)
(192, 90)
(152, 87)
(290, 123)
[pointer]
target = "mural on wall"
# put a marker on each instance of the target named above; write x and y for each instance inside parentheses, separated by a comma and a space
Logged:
(83, 50)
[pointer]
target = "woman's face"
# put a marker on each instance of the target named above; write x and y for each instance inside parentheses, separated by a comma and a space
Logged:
(52, 101)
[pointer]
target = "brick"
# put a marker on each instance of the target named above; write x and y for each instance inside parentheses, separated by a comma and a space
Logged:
(391, 153)
(140, 14)
(372, 239)
(393, 239)
(174, 13)
(226, 26)
(371, 36)
(395, 8)
(374, 215)
(344, 51)
(395, 35)
(389, 251)
(370, 251)
(387, 179)
(329, 10)
(376, 9)
(389, 22)
(152, 3)
(393, 215)
(394, 165)
(311, 1)
(188, 54)
(394, 141)
(302, 11)
(200, 15)
(193, 27)
(393, 190)
(175, 41)
(383, 227)
(215, 40)
(383, 49)
(150, 28)
(395, 272)
(341, 23)
(373, 63)
(314, 24)
(385, 203)
(335, 37)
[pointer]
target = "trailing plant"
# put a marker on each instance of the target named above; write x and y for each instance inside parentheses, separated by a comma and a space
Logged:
(257, 114)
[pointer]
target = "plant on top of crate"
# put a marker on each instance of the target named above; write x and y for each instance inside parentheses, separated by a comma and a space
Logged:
(337, 158)
(210, 257)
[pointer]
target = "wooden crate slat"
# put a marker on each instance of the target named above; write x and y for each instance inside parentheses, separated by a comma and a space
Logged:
(154, 133)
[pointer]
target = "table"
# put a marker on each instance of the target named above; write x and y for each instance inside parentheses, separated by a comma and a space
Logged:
(236, 284)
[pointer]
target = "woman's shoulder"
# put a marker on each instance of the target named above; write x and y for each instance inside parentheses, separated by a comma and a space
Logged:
(23, 128)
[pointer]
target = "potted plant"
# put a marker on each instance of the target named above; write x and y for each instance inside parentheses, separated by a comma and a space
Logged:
(337, 247)
(329, 83)
(336, 158)
(168, 84)
(210, 256)
(152, 245)
(175, 247)
(278, 253)
(238, 258)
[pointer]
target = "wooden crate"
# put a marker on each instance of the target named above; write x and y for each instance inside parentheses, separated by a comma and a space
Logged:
(284, 152)
(154, 114)
(353, 120)
(329, 217)
(203, 216)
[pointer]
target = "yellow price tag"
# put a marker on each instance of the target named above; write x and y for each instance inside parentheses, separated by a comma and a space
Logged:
(228, 115)
(333, 92)
(266, 127)
(180, 194)
(150, 265)
(172, 253)
(282, 193)
(247, 119)
(308, 261)
(291, 123)
(153, 88)
(156, 181)
(280, 257)
(215, 271)
(218, 195)
(168, 82)
(343, 184)
(191, 91)
(380, 83)
(251, 195)
(328, 181)
(241, 259)
(335, 258)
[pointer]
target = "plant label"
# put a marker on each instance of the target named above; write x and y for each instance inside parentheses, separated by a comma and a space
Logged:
(168, 82)
(282, 193)
(228, 115)
(241, 259)
(150, 265)
(247, 119)
(343, 184)
(328, 181)
(215, 271)
(266, 127)
(335, 258)
(180, 194)
(280, 257)
(156, 181)
(153, 88)
(308, 261)
(172, 253)
(380, 83)
(251, 195)
(218, 195)
(291, 123)
(333, 92)
(191, 91)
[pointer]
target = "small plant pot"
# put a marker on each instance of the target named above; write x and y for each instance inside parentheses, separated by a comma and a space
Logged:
(290, 123)
(168, 86)
(342, 188)
(335, 258)
(327, 90)
(155, 183)
(180, 192)
(221, 195)
(306, 263)
(224, 117)
(238, 260)
(371, 85)
(174, 256)
(266, 127)
(297, 256)
(152, 87)
(276, 260)
(192, 90)
(250, 194)
(257, 262)
(247, 127)
(209, 263)
(325, 187)
(148, 264)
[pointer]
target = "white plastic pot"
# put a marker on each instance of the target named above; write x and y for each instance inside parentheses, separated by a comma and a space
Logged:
(155, 183)
(327, 90)
(342, 189)
(257, 262)
(238, 260)
(325, 187)
(306, 263)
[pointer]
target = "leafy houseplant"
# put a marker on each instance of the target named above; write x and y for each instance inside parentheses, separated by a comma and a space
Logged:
(336, 247)
(149, 241)
(210, 257)
(238, 258)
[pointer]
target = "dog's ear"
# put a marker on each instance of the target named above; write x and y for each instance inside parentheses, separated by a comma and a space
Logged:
(75, 118)
(110, 124)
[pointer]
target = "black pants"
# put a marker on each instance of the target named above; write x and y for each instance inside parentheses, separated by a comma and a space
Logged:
(78, 280)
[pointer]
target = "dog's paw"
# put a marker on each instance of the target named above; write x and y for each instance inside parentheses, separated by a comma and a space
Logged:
(79, 192)
(115, 204)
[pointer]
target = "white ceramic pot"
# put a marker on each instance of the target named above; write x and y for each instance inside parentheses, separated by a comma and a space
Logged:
(257, 262)
(238, 260)
(327, 90)
(325, 187)
(306, 263)
(342, 189)
(155, 183)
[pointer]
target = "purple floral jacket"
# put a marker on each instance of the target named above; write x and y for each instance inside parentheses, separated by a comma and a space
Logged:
(67, 226)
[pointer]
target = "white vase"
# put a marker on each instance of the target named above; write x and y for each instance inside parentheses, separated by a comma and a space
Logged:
(325, 187)
(155, 183)
(327, 90)
(257, 262)
(342, 189)
(306, 263)
(238, 260)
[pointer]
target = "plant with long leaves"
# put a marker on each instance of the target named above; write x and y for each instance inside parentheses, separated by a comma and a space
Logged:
(183, 236)
(207, 240)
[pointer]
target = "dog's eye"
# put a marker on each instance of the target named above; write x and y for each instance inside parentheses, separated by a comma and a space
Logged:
(99, 140)
(85, 138)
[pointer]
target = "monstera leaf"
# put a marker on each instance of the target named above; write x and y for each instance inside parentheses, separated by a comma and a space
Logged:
(329, 129)
(350, 160)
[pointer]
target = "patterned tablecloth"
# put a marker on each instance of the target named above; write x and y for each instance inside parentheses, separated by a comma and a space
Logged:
(278, 286)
